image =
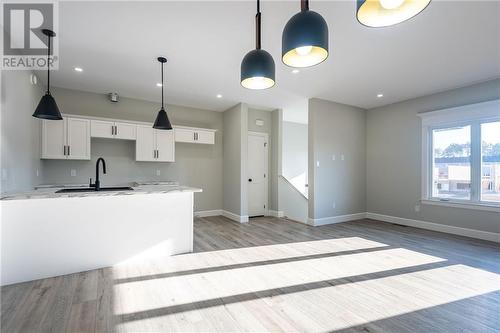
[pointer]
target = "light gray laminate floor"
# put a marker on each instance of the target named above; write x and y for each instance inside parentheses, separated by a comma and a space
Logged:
(278, 276)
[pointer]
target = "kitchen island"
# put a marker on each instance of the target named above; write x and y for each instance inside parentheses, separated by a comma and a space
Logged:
(45, 234)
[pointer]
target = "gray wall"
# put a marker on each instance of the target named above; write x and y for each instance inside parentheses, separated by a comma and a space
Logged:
(336, 129)
(394, 159)
(234, 157)
(20, 145)
(195, 165)
(294, 148)
(276, 160)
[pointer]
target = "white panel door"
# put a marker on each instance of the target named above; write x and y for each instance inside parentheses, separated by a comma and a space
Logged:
(184, 135)
(165, 146)
(78, 138)
(145, 144)
(101, 129)
(125, 131)
(205, 137)
(53, 139)
(257, 174)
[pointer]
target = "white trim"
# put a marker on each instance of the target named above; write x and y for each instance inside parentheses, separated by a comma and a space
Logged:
(276, 213)
(464, 113)
(335, 219)
(206, 213)
(466, 205)
(485, 235)
(234, 217)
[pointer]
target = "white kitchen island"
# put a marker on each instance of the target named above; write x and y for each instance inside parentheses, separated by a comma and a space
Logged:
(46, 234)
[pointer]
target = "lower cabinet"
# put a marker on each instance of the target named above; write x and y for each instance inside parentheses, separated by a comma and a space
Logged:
(154, 145)
(67, 139)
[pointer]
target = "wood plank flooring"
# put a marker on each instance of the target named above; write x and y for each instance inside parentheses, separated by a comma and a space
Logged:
(274, 275)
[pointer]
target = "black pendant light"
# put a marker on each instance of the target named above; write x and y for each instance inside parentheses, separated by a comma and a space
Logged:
(304, 41)
(383, 13)
(162, 121)
(257, 67)
(47, 107)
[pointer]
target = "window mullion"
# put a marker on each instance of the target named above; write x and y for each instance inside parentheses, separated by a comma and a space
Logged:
(476, 162)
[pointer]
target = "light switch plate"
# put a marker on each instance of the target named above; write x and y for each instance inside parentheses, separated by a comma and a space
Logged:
(342, 157)
(73, 173)
(158, 172)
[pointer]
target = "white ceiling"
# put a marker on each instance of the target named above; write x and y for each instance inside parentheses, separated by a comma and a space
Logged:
(450, 44)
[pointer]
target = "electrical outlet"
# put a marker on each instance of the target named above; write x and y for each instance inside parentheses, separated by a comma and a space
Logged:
(342, 157)
(333, 157)
(37, 172)
(334, 205)
(158, 172)
(317, 164)
(417, 208)
(73, 173)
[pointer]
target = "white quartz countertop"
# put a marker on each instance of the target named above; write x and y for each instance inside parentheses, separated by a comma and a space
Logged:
(50, 192)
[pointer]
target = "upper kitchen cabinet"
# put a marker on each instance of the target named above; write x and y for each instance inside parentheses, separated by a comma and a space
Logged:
(113, 130)
(67, 139)
(194, 135)
(154, 145)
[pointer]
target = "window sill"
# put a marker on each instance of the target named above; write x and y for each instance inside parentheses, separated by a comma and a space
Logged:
(466, 205)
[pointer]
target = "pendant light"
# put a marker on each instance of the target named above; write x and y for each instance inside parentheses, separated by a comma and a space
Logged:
(383, 13)
(162, 121)
(304, 41)
(257, 67)
(47, 107)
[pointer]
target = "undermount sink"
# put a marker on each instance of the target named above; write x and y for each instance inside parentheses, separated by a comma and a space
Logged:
(92, 189)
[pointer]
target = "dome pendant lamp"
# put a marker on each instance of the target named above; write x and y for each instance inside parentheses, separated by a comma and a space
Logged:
(257, 67)
(304, 41)
(383, 13)
(162, 121)
(47, 107)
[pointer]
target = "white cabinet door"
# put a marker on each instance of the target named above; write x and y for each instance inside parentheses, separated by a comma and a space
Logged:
(78, 138)
(184, 135)
(165, 146)
(53, 139)
(125, 131)
(205, 137)
(101, 129)
(145, 144)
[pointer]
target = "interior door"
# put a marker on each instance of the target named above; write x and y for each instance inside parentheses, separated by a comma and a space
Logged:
(165, 146)
(78, 132)
(53, 139)
(145, 144)
(257, 174)
(101, 129)
(125, 131)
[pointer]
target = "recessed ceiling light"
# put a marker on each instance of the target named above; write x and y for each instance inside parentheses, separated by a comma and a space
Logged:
(219, 96)
(380, 95)
(78, 69)
(295, 71)
(158, 84)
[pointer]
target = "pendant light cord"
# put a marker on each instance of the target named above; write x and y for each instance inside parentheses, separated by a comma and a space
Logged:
(304, 5)
(257, 27)
(48, 68)
(162, 85)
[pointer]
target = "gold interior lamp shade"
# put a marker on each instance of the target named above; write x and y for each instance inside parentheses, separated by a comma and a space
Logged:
(257, 83)
(305, 56)
(383, 13)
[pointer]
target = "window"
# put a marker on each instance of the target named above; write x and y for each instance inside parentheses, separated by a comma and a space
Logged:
(461, 156)
(490, 159)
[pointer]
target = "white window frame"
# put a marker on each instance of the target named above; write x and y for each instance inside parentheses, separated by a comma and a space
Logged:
(473, 115)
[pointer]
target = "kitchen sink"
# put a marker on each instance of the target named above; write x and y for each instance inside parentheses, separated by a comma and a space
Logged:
(92, 189)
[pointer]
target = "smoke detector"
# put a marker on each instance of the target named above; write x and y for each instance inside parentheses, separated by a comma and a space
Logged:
(113, 97)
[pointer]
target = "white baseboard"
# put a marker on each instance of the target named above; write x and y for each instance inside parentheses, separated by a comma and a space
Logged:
(234, 217)
(276, 213)
(335, 219)
(206, 213)
(485, 235)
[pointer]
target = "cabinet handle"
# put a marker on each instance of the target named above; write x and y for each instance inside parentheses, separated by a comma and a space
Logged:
(116, 130)
(64, 150)
(69, 150)
(157, 154)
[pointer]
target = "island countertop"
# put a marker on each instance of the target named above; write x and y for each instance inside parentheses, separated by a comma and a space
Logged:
(50, 193)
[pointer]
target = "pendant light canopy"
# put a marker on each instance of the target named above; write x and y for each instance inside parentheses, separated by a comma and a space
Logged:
(162, 121)
(304, 41)
(383, 13)
(257, 67)
(47, 107)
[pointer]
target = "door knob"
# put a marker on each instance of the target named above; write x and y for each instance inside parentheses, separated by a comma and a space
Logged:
(249, 179)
